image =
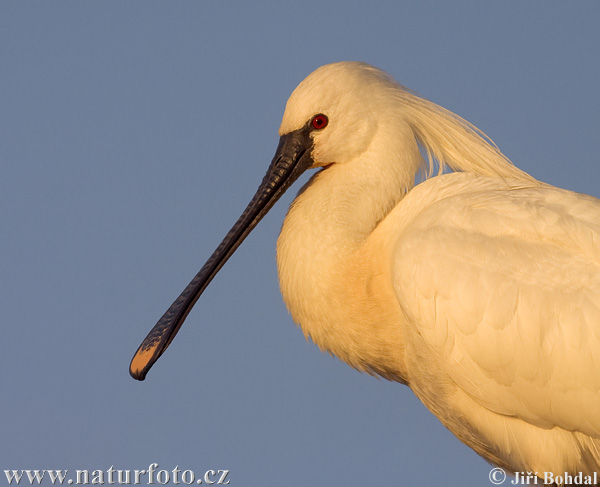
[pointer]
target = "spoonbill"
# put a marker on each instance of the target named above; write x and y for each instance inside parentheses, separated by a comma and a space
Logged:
(478, 288)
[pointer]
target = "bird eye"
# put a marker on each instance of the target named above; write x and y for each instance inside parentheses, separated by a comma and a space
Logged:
(319, 121)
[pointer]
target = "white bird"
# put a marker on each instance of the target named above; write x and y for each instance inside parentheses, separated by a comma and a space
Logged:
(479, 289)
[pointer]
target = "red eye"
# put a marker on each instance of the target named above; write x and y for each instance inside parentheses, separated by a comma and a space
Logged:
(319, 121)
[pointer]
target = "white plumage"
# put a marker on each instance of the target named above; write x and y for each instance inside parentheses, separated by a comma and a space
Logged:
(480, 289)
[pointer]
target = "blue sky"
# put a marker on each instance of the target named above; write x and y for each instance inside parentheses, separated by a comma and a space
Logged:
(133, 135)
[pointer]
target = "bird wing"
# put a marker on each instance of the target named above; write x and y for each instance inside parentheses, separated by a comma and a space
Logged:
(502, 283)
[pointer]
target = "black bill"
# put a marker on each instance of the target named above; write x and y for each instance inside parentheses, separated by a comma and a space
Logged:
(292, 158)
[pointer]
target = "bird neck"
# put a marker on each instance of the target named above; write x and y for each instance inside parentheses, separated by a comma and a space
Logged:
(323, 251)
(343, 203)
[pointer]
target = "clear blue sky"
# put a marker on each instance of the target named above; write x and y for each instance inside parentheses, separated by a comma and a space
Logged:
(133, 134)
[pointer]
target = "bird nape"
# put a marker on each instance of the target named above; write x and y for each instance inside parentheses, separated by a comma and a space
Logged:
(479, 289)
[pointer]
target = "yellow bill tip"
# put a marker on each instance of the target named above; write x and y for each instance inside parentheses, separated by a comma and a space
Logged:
(142, 361)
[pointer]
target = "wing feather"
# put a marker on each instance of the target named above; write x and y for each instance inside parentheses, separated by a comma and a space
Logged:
(502, 284)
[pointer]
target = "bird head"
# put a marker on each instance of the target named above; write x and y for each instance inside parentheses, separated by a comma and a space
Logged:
(334, 112)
